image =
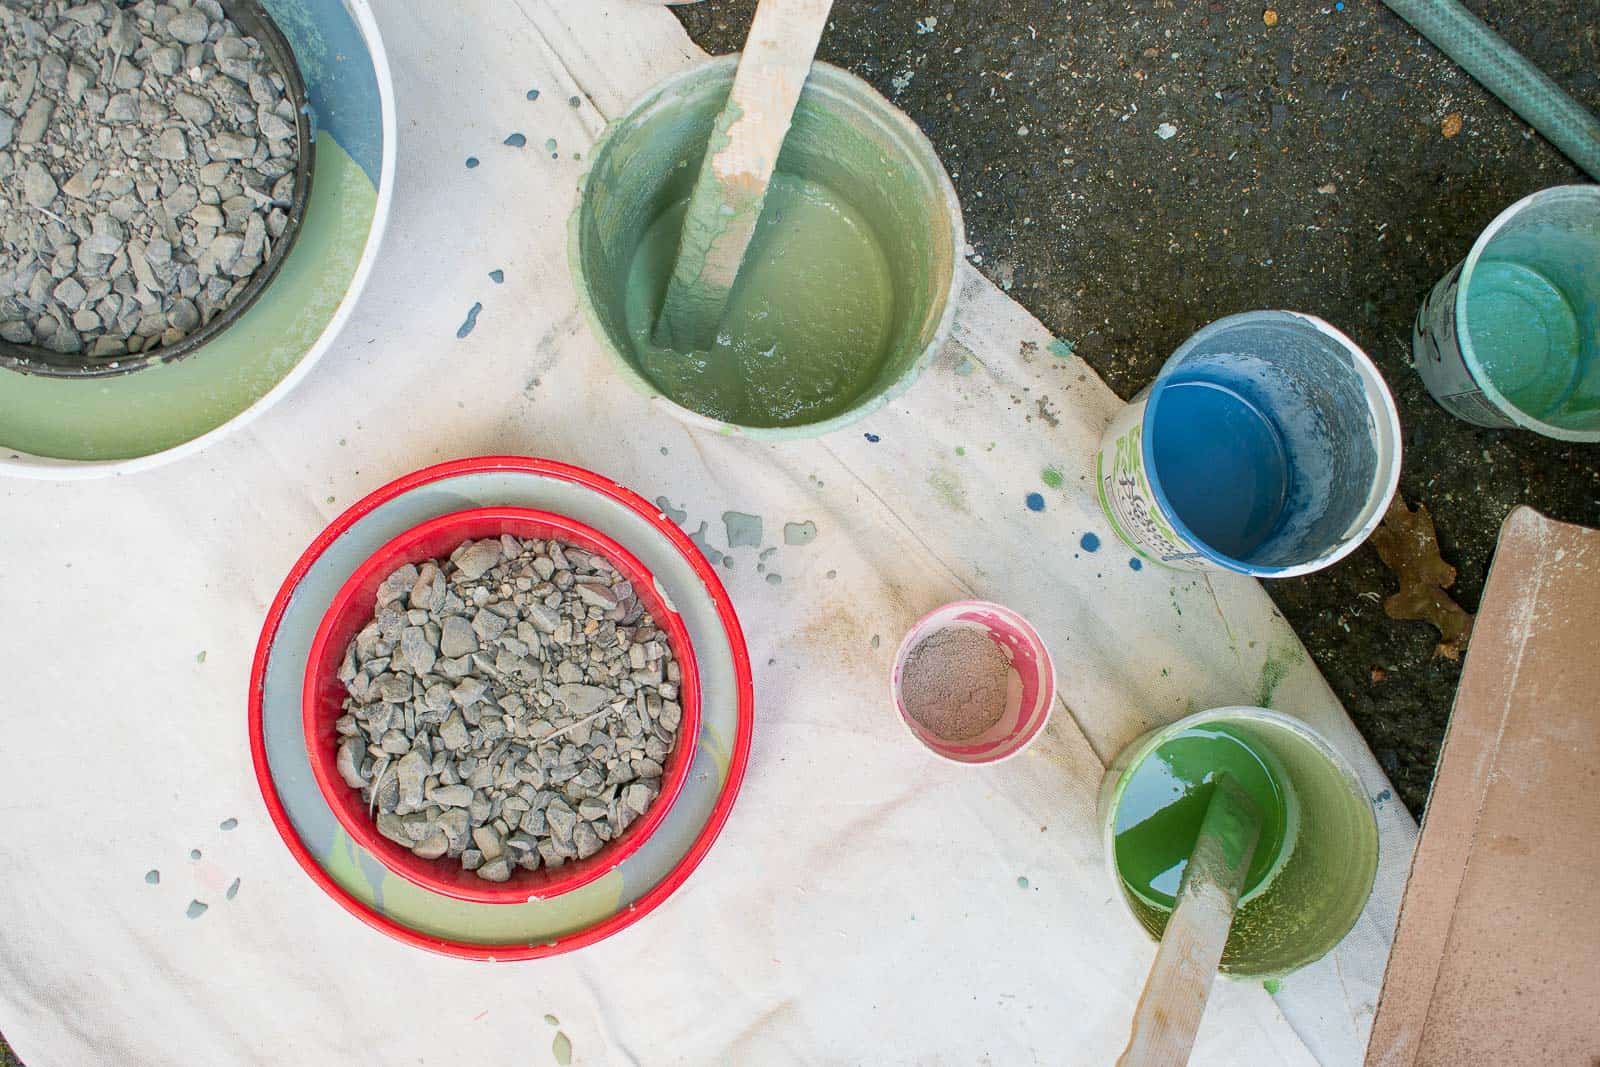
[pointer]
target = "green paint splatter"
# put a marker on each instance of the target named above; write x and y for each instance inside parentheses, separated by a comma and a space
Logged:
(799, 533)
(200, 657)
(1022, 881)
(948, 489)
(1272, 985)
(677, 515)
(550, 145)
(1051, 476)
(1062, 348)
(561, 1047)
(552, 1020)
(742, 529)
(1273, 671)
(960, 451)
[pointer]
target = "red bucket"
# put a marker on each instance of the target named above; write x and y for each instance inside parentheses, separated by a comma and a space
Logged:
(323, 696)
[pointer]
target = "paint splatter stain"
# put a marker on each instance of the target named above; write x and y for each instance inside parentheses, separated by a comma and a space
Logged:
(1051, 476)
(233, 890)
(1035, 502)
(152, 877)
(1089, 542)
(1022, 881)
(1379, 800)
(744, 531)
(1273, 672)
(472, 162)
(960, 451)
(195, 909)
(470, 323)
(664, 450)
(1062, 348)
(550, 144)
(774, 579)
(948, 489)
(700, 542)
(194, 853)
(964, 368)
(677, 515)
(874, 438)
(552, 1020)
(227, 824)
(516, 140)
(497, 276)
(574, 101)
(876, 640)
(561, 1047)
(833, 574)
(799, 533)
(533, 94)
(1272, 985)
(727, 561)
(1136, 563)
(200, 657)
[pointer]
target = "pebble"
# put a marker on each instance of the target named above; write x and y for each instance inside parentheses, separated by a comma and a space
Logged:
(139, 143)
(524, 699)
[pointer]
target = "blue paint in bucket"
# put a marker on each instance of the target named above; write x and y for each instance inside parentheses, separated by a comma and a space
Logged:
(1270, 443)
(1223, 465)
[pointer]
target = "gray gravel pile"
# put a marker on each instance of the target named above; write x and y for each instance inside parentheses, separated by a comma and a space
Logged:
(147, 158)
(509, 708)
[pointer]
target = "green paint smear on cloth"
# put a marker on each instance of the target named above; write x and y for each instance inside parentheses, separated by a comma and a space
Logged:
(165, 405)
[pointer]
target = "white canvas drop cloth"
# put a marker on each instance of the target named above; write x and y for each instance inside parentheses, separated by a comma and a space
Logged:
(863, 903)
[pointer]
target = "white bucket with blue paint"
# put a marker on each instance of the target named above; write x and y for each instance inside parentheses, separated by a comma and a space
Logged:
(1268, 445)
(1511, 336)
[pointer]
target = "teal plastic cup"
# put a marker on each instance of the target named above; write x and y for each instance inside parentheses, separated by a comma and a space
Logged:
(1317, 886)
(1511, 336)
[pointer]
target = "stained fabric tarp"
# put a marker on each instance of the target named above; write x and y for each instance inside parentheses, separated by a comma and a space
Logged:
(864, 903)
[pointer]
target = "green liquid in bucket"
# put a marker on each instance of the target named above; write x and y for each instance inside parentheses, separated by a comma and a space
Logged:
(1525, 334)
(1164, 802)
(806, 327)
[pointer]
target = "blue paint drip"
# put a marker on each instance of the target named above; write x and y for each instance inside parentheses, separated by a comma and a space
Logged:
(1035, 502)
(1136, 563)
(516, 140)
(472, 321)
(497, 276)
(472, 161)
(1090, 542)
(533, 94)
(874, 438)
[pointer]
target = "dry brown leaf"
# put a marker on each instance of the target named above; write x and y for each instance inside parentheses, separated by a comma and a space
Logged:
(1408, 545)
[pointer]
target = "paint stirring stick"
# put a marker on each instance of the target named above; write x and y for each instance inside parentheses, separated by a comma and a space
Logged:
(1168, 1015)
(726, 202)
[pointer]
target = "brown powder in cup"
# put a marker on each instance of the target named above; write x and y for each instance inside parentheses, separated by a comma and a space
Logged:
(954, 683)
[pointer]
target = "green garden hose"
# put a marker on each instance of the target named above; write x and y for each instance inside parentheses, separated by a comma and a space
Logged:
(1501, 69)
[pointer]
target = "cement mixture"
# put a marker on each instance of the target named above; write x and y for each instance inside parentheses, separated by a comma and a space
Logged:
(954, 683)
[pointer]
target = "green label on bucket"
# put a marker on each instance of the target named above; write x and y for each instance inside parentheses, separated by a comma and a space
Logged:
(1127, 500)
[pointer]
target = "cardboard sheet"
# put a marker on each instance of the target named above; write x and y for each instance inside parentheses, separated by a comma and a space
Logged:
(1495, 958)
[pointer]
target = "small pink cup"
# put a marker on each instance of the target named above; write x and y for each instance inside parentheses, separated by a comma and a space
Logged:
(1030, 693)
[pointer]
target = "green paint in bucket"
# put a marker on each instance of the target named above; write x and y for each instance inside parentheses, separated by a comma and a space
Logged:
(848, 290)
(1511, 336)
(1318, 853)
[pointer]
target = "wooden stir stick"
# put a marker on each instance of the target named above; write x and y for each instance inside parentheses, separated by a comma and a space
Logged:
(726, 202)
(1174, 997)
